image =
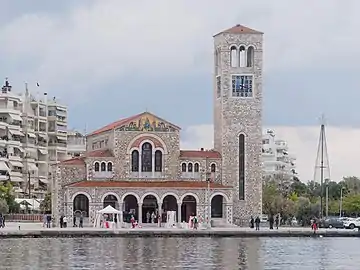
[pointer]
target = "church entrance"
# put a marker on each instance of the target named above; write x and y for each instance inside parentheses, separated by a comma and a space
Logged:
(130, 208)
(149, 209)
(188, 208)
(169, 204)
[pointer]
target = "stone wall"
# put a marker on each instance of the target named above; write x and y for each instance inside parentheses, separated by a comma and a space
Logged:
(171, 147)
(240, 115)
(205, 166)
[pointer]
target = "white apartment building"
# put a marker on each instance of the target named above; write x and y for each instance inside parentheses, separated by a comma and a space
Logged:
(33, 135)
(76, 144)
(277, 162)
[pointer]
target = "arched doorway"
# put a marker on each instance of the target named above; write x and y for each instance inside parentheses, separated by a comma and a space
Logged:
(169, 204)
(130, 208)
(188, 208)
(149, 207)
(217, 207)
(81, 205)
(111, 200)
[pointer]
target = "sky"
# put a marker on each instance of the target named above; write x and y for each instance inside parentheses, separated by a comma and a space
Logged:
(110, 59)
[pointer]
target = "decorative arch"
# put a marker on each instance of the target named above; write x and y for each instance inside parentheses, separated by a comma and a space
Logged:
(190, 194)
(156, 142)
(213, 167)
(227, 199)
(171, 194)
(97, 166)
(110, 193)
(109, 166)
(196, 167)
(190, 167)
(242, 56)
(130, 193)
(103, 166)
(250, 53)
(234, 56)
(81, 193)
(150, 193)
(183, 167)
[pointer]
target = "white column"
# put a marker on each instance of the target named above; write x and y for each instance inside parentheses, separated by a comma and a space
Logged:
(140, 164)
(153, 165)
(121, 214)
(179, 213)
(160, 211)
(140, 213)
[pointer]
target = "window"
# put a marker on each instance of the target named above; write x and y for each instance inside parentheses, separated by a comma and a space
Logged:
(97, 166)
(183, 167)
(135, 161)
(196, 167)
(250, 57)
(146, 157)
(242, 85)
(158, 161)
(190, 167)
(218, 86)
(242, 56)
(109, 167)
(103, 166)
(266, 141)
(233, 56)
(213, 167)
(241, 167)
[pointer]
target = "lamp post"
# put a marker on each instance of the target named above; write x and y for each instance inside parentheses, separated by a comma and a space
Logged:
(341, 201)
(327, 197)
(208, 200)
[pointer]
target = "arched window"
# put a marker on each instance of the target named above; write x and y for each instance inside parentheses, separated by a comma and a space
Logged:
(242, 56)
(196, 167)
(241, 167)
(213, 167)
(183, 167)
(158, 161)
(250, 57)
(109, 167)
(135, 161)
(146, 157)
(97, 166)
(103, 166)
(190, 167)
(233, 57)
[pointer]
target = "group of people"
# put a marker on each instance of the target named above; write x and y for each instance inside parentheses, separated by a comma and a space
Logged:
(272, 220)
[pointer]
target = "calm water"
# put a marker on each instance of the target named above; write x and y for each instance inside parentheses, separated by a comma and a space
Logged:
(180, 253)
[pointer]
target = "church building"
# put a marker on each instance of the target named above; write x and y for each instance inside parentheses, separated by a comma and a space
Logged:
(136, 164)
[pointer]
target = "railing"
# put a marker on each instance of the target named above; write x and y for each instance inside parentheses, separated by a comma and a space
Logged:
(57, 144)
(24, 217)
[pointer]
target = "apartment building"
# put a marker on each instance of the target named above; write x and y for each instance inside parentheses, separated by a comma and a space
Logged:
(278, 163)
(76, 144)
(33, 135)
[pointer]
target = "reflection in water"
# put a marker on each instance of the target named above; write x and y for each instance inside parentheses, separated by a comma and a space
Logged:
(180, 253)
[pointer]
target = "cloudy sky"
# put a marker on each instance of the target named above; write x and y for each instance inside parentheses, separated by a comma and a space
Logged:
(110, 59)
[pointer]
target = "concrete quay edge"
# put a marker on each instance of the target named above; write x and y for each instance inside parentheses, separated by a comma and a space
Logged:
(53, 233)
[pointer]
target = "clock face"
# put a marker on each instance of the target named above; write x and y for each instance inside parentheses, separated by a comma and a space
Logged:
(242, 85)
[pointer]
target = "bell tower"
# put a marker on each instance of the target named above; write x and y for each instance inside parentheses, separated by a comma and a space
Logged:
(238, 56)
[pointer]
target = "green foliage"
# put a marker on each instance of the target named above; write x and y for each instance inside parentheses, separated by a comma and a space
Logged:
(351, 204)
(6, 194)
(45, 205)
(4, 208)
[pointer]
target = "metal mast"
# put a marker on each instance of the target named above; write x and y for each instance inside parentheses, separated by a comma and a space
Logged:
(322, 168)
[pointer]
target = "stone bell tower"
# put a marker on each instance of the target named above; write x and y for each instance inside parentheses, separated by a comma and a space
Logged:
(238, 54)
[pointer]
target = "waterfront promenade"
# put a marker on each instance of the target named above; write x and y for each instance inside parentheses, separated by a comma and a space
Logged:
(18, 230)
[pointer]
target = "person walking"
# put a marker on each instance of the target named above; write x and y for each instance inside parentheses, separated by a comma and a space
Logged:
(48, 221)
(61, 221)
(257, 223)
(65, 222)
(252, 222)
(271, 222)
(277, 221)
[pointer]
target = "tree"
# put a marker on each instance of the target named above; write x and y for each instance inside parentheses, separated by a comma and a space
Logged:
(351, 204)
(6, 193)
(45, 205)
(4, 208)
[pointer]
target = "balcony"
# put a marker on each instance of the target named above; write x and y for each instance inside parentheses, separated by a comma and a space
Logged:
(57, 145)
(14, 157)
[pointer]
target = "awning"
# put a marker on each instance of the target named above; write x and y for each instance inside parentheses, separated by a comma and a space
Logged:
(16, 179)
(16, 164)
(44, 136)
(31, 135)
(31, 151)
(61, 137)
(16, 132)
(44, 180)
(20, 149)
(43, 151)
(4, 166)
(32, 167)
(15, 117)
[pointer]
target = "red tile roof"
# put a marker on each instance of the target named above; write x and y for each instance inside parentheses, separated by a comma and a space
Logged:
(239, 29)
(99, 153)
(121, 122)
(114, 124)
(73, 161)
(146, 184)
(199, 154)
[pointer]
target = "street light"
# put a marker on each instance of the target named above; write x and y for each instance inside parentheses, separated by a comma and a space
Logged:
(341, 201)
(208, 200)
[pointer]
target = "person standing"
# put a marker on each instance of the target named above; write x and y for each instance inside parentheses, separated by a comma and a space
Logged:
(65, 222)
(148, 217)
(271, 222)
(74, 221)
(61, 221)
(48, 221)
(81, 221)
(277, 221)
(257, 223)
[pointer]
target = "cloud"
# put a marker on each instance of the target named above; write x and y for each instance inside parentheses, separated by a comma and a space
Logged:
(342, 145)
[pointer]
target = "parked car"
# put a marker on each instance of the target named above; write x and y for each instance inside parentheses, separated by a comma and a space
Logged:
(352, 223)
(332, 222)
